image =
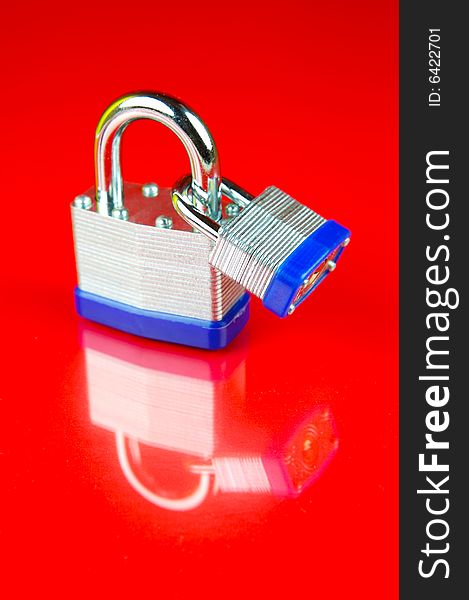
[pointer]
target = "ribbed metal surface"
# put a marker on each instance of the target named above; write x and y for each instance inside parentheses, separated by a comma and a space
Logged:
(164, 270)
(254, 244)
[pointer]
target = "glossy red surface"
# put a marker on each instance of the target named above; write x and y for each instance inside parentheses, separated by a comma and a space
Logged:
(300, 95)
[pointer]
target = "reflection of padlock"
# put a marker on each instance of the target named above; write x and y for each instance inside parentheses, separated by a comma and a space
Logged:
(284, 469)
(140, 270)
(288, 465)
(165, 397)
(277, 248)
(186, 409)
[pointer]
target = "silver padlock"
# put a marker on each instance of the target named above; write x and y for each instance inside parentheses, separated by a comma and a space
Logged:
(275, 247)
(141, 268)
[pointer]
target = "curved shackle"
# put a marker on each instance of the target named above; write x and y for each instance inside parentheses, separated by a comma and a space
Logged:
(183, 202)
(178, 117)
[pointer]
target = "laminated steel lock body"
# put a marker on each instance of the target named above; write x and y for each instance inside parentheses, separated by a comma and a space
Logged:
(153, 281)
(275, 247)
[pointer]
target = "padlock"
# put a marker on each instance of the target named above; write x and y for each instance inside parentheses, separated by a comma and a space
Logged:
(141, 268)
(275, 247)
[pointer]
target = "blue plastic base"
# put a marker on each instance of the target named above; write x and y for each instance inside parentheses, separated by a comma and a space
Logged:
(165, 327)
(300, 265)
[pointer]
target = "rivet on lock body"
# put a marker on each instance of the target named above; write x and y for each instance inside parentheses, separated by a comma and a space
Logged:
(141, 268)
(275, 247)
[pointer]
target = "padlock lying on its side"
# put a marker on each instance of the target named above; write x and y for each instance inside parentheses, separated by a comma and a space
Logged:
(275, 247)
(141, 268)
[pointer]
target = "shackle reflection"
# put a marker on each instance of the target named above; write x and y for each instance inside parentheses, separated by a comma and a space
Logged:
(178, 438)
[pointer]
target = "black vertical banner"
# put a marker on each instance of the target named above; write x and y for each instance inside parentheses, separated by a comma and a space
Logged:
(434, 336)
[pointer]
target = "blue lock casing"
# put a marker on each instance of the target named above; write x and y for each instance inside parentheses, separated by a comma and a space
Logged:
(165, 327)
(305, 268)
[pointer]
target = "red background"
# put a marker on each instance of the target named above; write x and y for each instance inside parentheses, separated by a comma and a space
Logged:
(302, 95)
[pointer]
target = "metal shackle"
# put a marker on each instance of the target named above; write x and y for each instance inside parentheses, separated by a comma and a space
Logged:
(185, 206)
(180, 119)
